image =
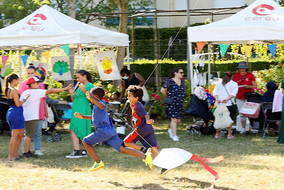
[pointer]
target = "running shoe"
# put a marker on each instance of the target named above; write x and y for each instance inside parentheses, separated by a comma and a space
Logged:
(96, 166)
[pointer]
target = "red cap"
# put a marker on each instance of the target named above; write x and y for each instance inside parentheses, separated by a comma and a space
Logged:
(32, 80)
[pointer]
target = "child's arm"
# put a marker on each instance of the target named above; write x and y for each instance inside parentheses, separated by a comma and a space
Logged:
(95, 101)
(80, 116)
(55, 90)
(148, 120)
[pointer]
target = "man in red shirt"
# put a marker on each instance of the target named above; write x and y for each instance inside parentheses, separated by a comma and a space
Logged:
(246, 83)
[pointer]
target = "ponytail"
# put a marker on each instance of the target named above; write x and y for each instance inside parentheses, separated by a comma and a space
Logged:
(8, 81)
(88, 75)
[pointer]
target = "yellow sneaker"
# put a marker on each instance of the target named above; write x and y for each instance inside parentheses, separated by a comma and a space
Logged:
(96, 166)
(149, 158)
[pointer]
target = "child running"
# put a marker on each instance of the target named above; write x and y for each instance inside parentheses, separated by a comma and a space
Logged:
(143, 131)
(105, 131)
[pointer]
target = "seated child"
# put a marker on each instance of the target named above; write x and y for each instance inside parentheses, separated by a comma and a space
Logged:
(115, 96)
(105, 131)
(67, 113)
(143, 130)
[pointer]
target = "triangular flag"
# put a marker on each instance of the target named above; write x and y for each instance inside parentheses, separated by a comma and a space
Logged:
(66, 49)
(223, 49)
(272, 49)
(248, 50)
(79, 49)
(45, 54)
(200, 46)
(4, 60)
(25, 59)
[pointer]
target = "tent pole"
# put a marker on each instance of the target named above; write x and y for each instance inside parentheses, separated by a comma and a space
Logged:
(20, 69)
(80, 55)
(190, 65)
(128, 64)
(209, 68)
(188, 54)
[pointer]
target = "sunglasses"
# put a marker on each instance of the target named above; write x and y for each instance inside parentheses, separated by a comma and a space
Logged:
(243, 78)
(181, 72)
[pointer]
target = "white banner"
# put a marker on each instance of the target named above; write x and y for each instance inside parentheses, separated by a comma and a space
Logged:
(107, 66)
(41, 69)
(61, 68)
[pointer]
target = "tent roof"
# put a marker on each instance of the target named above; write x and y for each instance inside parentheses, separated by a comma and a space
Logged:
(261, 22)
(47, 28)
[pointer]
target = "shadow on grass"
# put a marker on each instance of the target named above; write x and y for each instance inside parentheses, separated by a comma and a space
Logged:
(198, 184)
(144, 186)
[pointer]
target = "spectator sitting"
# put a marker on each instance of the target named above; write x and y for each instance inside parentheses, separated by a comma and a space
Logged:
(268, 97)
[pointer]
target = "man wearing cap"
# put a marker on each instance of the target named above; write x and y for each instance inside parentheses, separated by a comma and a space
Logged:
(31, 107)
(246, 83)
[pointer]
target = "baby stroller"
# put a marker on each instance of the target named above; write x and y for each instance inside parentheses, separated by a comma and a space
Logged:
(199, 108)
(4, 106)
(257, 98)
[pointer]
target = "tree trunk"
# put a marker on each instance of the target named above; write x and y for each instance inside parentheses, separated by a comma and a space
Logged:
(123, 6)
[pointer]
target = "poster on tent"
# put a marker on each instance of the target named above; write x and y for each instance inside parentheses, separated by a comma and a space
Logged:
(107, 66)
(5, 72)
(61, 68)
(41, 69)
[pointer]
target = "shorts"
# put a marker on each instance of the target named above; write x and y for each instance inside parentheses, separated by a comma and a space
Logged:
(147, 141)
(105, 133)
(30, 127)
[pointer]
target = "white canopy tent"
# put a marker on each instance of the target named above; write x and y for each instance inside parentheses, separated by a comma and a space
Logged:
(261, 22)
(47, 28)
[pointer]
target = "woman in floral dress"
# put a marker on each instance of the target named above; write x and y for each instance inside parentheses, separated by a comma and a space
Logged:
(174, 88)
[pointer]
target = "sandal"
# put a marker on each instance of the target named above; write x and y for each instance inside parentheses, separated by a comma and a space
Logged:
(217, 136)
(230, 137)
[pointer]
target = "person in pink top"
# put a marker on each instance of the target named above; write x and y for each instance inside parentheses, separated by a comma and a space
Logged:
(246, 83)
(31, 72)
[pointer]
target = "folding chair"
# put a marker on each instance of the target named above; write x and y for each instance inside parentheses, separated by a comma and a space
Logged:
(148, 105)
(266, 106)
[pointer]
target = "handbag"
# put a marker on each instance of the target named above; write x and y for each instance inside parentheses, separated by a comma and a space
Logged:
(250, 109)
(222, 117)
(168, 100)
(234, 106)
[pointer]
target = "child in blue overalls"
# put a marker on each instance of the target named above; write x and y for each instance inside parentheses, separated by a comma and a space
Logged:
(105, 131)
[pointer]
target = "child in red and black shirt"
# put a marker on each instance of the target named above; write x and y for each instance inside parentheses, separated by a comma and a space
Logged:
(143, 131)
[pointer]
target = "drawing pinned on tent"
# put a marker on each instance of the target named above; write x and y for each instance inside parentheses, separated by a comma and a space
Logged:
(61, 68)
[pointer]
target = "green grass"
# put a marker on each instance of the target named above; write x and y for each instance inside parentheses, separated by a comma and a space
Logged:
(251, 162)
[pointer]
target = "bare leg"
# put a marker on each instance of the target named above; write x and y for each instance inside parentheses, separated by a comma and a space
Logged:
(155, 151)
(217, 132)
(174, 126)
(129, 116)
(91, 151)
(82, 145)
(13, 142)
(27, 143)
(75, 140)
(230, 131)
(133, 145)
(18, 142)
(132, 152)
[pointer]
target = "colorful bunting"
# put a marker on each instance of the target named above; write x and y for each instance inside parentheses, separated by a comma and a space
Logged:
(4, 60)
(25, 59)
(200, 46)
(45, 54)
(248, 50)
(272, 49)
(223, 49)
(66, 49)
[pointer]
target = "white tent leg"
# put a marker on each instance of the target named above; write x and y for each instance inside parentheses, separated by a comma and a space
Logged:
(80, 56)
(190, 65)
(20, 68)
(209, 66)
(128, 63)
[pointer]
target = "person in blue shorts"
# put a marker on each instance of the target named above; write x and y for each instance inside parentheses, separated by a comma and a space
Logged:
(105, 131)
(143, 130)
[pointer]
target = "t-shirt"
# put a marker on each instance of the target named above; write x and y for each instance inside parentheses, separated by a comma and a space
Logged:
(24, 87)
(99, 116)
(31, 106)
(67, 113)
(247, 79)
(141, 125)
